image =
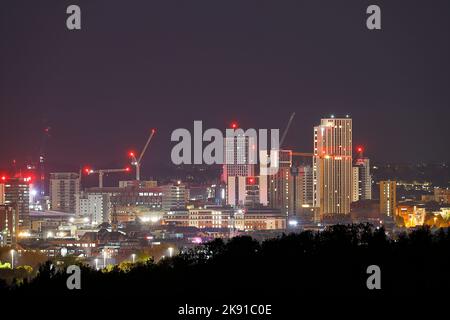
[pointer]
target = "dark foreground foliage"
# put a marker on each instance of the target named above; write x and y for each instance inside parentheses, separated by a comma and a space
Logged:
(332, 262)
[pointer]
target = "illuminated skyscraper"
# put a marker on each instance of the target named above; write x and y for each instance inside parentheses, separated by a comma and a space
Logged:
(332, 166)
(388, 194)
(280, 184)
(17, 194)
(238, 167)
(362, 179)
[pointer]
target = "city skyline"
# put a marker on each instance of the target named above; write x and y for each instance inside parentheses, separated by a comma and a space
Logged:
(100, 100)
(297, 150)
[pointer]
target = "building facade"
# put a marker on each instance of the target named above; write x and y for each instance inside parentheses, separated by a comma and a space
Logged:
(238, 166)
(17, 193)
(94, 206)
(64, 186)
(9, 225)
(332, 166)
(362, 179)
(388, 197)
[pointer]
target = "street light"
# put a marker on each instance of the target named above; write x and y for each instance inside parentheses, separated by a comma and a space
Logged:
(170, 252)
(133, 256)
(96, 264)
(12, 258)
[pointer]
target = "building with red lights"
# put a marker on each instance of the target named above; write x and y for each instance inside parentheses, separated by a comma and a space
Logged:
(332, 166)
(17, 194)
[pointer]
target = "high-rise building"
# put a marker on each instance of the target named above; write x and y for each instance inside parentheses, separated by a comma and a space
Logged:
(238, 166)
(356, 183)
(17, 193)
(332, 166)
(306, 185)
(362, 179)
(388, 194)
(96, 206)
(64, 186)
(280, 185)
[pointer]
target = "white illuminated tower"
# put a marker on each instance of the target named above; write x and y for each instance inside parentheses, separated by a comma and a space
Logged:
(332, 166)
(237, 167)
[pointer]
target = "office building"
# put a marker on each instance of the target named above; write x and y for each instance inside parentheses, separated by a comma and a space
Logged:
(17, 194)
(64, 186)
(362, 179)
(95, 206)
(174, 196)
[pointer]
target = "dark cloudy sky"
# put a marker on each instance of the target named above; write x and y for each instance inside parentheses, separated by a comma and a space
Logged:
(142, 64)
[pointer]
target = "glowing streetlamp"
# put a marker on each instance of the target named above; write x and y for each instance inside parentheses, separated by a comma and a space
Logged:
(170, 252)
(133, 256)
(96, 264)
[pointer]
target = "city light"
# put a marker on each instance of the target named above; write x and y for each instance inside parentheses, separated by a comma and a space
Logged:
(12, 258)
(293, 223)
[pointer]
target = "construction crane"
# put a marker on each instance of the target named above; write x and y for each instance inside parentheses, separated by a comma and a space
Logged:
(286, 129)
(137, 161)
(101, 173)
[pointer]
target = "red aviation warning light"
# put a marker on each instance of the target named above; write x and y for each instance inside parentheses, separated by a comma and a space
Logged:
(359, 149)
(127, 169)
(234, 125)
(131, 154)
(87, 170)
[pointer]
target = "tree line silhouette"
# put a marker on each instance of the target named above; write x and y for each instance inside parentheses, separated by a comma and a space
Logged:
(328, 263)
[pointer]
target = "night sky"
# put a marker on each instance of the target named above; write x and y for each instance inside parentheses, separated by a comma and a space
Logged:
(142, 64)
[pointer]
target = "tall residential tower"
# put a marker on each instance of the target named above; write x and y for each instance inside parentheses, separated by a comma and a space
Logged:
(332, 166)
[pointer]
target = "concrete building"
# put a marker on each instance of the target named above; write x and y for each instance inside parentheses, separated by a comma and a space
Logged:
(9, 225)
(239, 164)
(94, 206)
(388, 197)
(280, 185)
(17, 193)
(64, 186)
(226, 217)
(174, 196)
(362, 179)
(332, 166)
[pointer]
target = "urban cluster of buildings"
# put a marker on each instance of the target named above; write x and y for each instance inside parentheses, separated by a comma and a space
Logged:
(331, 184)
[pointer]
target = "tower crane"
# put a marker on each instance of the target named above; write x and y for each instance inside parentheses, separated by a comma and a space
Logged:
(101, 173)
(137, 161)
(286, 129)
